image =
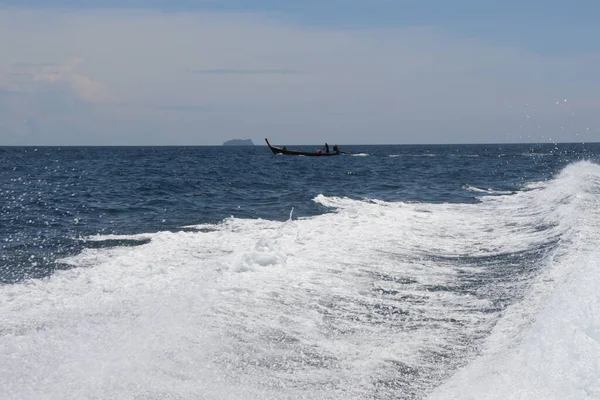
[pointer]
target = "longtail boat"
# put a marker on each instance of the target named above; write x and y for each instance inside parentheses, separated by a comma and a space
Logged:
(284, 150)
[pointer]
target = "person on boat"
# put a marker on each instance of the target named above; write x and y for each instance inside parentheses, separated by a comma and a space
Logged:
(326, 148)
(335, 148)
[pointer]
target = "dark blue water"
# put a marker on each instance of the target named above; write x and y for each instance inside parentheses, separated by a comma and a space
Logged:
(50, 196)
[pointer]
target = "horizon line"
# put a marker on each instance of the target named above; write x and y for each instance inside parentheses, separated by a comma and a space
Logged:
(305, 144)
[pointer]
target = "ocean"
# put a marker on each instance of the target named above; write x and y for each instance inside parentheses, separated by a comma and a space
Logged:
(395, 272)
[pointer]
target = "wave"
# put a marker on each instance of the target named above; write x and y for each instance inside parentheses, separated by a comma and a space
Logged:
(435, 155)
(360, 154)
(415, 155)
(490, 191)
(374, 300)
(102, 238)
(548, 345)
(539, 154)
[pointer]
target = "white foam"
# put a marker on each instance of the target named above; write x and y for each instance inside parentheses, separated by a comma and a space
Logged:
(360, 155)
(548, 346)
(257, 309)
(490, 191)
(102, 238)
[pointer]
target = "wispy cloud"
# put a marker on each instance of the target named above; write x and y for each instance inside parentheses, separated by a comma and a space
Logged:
(34, 65)
(185, 107)
(6, 91)
(33, 77)
(230, 71)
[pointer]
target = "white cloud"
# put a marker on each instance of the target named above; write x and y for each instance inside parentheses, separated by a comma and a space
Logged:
(32, 78)
(297, 84)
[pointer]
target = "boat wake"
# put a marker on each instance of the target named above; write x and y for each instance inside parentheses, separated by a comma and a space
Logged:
(548, 345)
(373, 300)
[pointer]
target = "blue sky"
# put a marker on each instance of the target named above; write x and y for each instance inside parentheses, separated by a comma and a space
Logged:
(201, 72)
(542, 25)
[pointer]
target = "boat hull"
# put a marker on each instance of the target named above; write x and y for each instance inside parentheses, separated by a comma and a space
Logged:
(280, 150)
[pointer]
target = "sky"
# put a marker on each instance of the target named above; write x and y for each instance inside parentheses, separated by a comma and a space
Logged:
(183, 72)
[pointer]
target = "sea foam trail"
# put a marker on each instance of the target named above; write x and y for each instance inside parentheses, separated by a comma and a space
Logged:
(548, 346)
(374, 300)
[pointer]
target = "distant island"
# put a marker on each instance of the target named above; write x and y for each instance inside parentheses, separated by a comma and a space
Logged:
(239, 142)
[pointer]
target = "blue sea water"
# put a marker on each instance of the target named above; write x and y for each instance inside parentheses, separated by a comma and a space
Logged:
(393, 272)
